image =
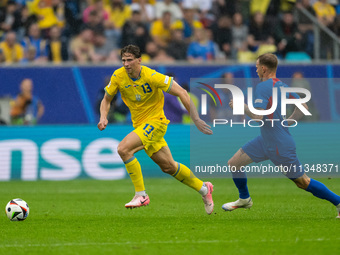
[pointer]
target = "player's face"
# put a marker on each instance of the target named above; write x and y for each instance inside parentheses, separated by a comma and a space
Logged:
(259, 70)
(131, 63)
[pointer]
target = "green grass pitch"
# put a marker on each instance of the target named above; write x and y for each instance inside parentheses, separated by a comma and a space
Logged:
(88, 217)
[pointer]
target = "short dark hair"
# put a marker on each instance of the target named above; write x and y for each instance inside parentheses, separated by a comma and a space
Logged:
(269, 60)
(133, 49)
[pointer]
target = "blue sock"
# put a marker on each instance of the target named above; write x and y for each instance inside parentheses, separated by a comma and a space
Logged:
(320, 190)
(240, 180)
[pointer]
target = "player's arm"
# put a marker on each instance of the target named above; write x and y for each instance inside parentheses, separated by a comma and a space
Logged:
(252, 115)
(104, 110)
(296, 115)
(41, 110)
(183, 95)
(248, 112)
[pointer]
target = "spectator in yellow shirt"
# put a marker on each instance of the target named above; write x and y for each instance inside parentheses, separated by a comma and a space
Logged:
(119, 14)
(160, 30)
(82, 47)
(57, 47)
(12, 51)
(187, 24)
(45, 14)
(324, 12)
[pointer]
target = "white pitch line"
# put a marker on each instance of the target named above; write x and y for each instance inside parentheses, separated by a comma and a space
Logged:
(159, 242)
(111, 243)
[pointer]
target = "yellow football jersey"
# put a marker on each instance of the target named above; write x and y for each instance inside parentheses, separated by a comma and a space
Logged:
(144, 95)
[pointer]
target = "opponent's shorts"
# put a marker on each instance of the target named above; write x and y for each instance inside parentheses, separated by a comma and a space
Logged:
(291, 166)
(152, 135)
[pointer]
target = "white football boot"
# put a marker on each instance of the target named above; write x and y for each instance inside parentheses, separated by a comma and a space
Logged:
(138, 201)
(239, 203)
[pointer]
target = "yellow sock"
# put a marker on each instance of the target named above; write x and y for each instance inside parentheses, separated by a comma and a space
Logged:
(185, 175)
(135, 171)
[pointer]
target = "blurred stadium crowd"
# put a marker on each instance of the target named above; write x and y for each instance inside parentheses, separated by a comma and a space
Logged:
(198, 31)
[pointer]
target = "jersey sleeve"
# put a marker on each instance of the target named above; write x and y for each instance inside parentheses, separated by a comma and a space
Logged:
(112, 88)
(163, 82)
(261, 99)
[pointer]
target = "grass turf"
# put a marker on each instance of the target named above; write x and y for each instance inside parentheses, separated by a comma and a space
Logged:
(88, 217)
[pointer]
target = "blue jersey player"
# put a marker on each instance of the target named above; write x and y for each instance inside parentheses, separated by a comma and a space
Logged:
(274, 143)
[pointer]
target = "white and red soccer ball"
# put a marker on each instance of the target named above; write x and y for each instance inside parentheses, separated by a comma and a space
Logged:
(17, 210)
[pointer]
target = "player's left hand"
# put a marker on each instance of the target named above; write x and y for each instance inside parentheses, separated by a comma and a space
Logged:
(203, 127)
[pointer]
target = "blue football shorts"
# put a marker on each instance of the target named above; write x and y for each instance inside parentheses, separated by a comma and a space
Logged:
(291, 166)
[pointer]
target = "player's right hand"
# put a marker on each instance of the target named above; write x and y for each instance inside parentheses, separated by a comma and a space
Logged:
(203, 127)
(102, 124)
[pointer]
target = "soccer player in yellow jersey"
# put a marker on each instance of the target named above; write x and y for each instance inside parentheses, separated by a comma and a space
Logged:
(142, 91)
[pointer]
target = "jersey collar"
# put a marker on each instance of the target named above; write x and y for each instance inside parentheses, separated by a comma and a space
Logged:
(136, 79)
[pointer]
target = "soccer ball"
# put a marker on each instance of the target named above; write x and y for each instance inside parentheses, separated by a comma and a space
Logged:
(17, 210)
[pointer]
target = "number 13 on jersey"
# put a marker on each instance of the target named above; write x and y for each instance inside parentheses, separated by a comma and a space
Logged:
(146, 88)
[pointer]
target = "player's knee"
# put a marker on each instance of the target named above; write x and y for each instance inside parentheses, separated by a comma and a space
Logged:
(230, 162)
(233, 164)
(123, 151)
(169, 167)
(302, 183)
